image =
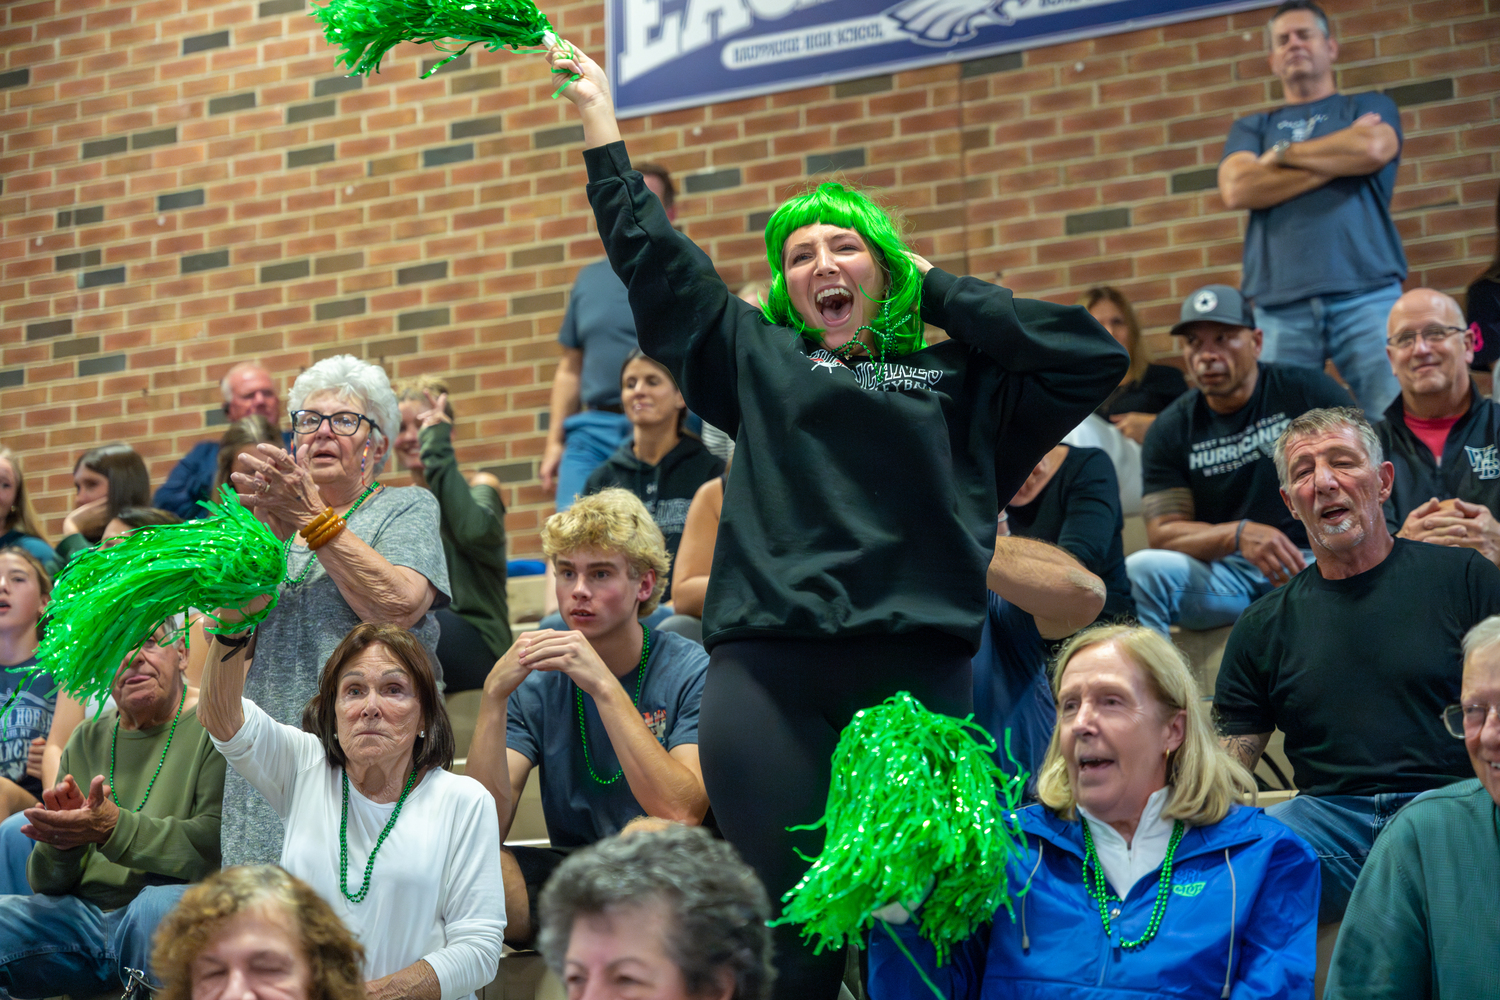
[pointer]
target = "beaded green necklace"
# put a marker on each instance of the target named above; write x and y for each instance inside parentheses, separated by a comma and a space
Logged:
(1099, 888)
(359, 897)
(311, 557)
(583, 731)
(114, 741)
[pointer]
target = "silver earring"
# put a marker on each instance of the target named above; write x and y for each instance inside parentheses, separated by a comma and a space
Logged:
(422, 734)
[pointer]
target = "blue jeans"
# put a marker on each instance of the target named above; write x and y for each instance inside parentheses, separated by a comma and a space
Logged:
(1341, 829)
(1173, 588)
(60, 944)
(1350, 329)
(589, 438)
(15, 849)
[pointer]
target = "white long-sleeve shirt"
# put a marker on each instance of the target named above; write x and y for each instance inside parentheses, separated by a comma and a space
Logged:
(436, 892)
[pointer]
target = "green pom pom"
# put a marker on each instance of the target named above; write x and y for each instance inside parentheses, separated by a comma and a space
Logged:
(111, 599)
(367, 29)
(916, 802)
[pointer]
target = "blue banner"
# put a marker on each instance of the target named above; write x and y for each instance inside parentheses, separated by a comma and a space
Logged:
(666, 54)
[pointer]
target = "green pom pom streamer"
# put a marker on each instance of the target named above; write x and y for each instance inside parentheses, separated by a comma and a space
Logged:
(916, 802)
(367, 29)
(109, 600)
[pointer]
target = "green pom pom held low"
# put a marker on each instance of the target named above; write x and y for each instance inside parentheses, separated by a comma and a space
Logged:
(1140, 872)
(871, 460)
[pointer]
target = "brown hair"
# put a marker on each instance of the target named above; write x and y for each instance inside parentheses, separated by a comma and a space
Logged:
(416, 389)
(333, 956)
(639, 355)
(22, 516)
(129, 483)
(437, 748)
(668, 189)
(251, 430)
(1139, 359)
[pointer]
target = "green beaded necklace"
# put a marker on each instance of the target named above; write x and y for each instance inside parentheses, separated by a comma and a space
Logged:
(1103, 895)
(583, 731)
(311, 556)
(359, 897)
(114, 741)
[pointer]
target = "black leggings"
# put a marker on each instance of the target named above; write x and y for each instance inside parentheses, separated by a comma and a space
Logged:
(771, 716)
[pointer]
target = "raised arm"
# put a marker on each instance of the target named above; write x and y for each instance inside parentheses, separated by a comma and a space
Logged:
(219, 705)
(1047, 583)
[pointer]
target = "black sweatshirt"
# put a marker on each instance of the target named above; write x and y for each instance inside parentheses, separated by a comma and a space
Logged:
(666, 488)
(853, 510)
(1471, 462)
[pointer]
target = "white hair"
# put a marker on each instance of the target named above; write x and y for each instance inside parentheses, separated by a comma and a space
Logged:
(1482, 636)
(1323, 421)
(358, 383)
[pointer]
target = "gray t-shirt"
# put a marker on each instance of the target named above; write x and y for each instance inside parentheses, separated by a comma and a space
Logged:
(1333, 240)
(310, 620)
(542, 726)
(599, 323)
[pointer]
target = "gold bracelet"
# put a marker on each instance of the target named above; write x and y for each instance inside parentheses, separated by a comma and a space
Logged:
(311, 527)
(328, 534)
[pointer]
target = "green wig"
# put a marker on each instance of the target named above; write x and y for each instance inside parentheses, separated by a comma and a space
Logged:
(833, 204)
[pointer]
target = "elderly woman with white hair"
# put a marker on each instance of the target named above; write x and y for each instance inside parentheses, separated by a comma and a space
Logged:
(357, 551)
(1142, 874)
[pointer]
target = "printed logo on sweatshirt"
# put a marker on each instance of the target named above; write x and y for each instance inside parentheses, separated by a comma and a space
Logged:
(669, 515)
(895, 377)
(1217, 456)
(1302, 128)
(1188, 888)
(1484, 461)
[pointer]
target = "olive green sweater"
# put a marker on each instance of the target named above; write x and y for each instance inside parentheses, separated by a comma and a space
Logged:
(173, 838)
(473, 532)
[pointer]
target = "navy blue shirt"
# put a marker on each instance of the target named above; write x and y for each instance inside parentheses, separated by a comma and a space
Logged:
(1333, 240)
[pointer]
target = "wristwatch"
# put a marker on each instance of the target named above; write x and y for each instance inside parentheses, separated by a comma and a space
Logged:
(1278, 151)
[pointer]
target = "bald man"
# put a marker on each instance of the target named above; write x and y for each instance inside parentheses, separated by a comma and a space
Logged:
(1441, 434)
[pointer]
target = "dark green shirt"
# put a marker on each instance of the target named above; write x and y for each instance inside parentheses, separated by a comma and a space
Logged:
(473, 533)
(1424, 920)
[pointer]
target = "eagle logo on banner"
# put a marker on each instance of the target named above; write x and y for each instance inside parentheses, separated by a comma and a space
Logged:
(949, 22)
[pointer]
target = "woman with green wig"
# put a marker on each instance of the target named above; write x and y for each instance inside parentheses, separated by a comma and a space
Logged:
(859, 521)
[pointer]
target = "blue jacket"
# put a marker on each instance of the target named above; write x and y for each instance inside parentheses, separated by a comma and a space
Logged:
(1243, 911)
(192, 478)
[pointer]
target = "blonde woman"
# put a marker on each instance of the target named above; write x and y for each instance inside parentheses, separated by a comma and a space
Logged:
(1143, 873)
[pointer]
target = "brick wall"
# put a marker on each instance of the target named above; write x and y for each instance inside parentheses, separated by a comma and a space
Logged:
(187, 183)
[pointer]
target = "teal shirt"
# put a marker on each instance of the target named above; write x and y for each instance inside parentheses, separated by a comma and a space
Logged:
(1424, 920)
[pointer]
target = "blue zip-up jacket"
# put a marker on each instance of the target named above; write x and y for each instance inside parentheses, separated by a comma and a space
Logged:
(1241, 923)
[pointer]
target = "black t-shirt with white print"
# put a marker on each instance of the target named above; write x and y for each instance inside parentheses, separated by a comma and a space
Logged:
(1225, 459)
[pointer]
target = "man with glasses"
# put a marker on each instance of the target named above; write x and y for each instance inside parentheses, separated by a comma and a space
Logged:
(1440, 434)
(1356, 658)
(1424, 920)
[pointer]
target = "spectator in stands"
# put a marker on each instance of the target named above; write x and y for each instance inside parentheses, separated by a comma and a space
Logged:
(662, 464)
(106, 480)
(24, 588)
(628, 693)
(256, 932)
(248, 389)
(588, 421)
(114, 853)
(1440, 433)
(1482, 307)
(475, 628)
(375, 555)
(1142, 874)
(1147, 388)
(676, 911)
(19, 524)
(1039, 593)
(241, 437)
(1220, 534)
(1318, 172)
(1357, 657)
(1424, 920)
(375, 734)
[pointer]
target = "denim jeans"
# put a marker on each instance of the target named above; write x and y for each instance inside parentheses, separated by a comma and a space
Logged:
(589, 438)
(1350, 329)
(1342, 830)
(1173, 588)
(15, 849)
(51, 945)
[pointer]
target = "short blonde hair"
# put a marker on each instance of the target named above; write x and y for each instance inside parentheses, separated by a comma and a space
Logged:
(612, 520)
(1205, 781)
(416, 388)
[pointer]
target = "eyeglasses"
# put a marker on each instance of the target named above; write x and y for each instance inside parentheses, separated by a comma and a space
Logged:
(344, 423)
(1434, 335)
(1462, 719)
